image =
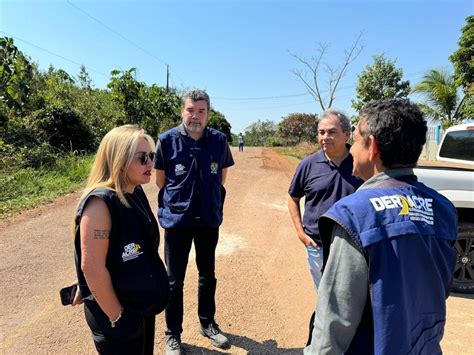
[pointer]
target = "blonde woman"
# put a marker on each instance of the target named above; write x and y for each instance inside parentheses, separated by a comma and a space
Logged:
(122, 279)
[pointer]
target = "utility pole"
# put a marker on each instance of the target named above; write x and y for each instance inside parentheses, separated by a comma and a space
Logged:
(167, 77)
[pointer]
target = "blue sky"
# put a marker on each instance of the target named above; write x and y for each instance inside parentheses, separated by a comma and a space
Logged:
(237, 50)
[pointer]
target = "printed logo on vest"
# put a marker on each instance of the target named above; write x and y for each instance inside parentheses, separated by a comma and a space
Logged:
(179, 169)
(417, 208)
(131, 251)
(214, 168)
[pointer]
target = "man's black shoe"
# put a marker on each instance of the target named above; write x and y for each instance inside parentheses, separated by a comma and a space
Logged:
(173, 345)
(215, 335)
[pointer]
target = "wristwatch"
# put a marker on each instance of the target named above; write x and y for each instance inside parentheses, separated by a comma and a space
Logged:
(113, 322)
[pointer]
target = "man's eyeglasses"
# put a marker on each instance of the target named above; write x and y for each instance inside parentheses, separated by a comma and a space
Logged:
(144, 157)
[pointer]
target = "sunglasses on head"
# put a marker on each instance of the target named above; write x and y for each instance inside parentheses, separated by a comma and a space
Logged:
(144, 157)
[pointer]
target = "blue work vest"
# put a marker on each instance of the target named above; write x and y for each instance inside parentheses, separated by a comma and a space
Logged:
(406, 232)
(190, 174)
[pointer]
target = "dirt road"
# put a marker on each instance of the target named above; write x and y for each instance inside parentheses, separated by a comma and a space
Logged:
(264, 293)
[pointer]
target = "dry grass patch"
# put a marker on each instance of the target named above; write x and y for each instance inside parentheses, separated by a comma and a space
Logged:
(298, 151)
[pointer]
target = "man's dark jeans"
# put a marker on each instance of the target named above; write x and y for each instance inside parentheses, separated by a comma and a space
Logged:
(177, 246)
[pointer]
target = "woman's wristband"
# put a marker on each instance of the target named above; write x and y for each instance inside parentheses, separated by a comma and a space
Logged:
(113, 322)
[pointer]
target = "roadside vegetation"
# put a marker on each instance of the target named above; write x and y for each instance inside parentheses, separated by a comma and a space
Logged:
(298, 151)
(51, 122)
(28, 187)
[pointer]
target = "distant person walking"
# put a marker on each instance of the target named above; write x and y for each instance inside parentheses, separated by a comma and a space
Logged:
(241, 142)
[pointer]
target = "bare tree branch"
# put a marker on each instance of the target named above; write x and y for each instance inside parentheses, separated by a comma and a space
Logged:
(322, 50)
(334, 74)
(350, 56)
(313, 67)
(300, 76)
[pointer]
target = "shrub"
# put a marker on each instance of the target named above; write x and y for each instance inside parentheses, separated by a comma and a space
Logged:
(61, 128)
(18, 157)
(275, 141)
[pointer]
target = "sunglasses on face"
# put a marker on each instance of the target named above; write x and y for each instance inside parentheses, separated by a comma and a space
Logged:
(144, 157)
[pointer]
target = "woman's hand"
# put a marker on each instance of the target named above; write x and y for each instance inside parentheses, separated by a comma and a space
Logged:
(77, 297)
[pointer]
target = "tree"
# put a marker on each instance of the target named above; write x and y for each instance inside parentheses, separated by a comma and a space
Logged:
(259, 132)
(85, 81)
(462, 59)
(99, 111)
(126, 92)
(57, 89)
(334, 74)
(466, 106)
(217, 121)
(61, 128)
(298, 127)
(152, 108)
(442, 101)
(381, 80)
(235, 139)
(161, 109)
(16, 72)
(463, 63)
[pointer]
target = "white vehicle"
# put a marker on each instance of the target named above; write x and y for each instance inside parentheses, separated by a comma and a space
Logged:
(452, 175)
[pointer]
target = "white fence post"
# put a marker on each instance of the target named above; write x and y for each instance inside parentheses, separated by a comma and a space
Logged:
(433, 138)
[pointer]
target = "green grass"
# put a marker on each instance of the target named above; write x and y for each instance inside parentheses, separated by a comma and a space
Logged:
(25, 188)
(299, 151)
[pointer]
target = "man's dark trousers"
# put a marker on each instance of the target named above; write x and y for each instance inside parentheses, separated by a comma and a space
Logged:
(177, 247)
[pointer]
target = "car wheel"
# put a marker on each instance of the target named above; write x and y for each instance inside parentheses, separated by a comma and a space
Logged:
(463, 281)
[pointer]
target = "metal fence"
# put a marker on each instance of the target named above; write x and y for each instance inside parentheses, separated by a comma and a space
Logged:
(431, 134)
(433, 138)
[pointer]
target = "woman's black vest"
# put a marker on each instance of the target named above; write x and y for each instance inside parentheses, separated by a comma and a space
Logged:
(138, 275)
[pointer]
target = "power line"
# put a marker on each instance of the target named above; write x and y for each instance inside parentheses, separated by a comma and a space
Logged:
(342, 88)
(259, 98)
(175, 73)
(55, 54)
(116, 33)
(272, 107)
(214, 98)
(125, 38)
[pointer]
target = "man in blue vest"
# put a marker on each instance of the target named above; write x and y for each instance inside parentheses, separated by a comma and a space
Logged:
(191, 168)
(388, 248)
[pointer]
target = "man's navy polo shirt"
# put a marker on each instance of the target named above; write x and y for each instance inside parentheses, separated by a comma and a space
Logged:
(322, 183)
